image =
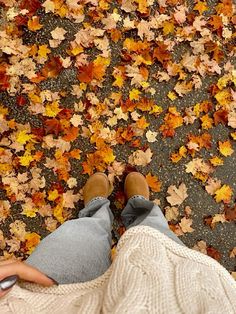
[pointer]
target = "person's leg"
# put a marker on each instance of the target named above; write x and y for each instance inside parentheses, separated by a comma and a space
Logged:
(79, 250)
(140, 211)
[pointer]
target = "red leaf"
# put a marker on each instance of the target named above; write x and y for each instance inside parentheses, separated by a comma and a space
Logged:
(21, 100)
(39, 132)
(65, 113)
(31, 5)
(52, 126)
(52, 68)
(21, 20)
(212, 252)
(4, 78)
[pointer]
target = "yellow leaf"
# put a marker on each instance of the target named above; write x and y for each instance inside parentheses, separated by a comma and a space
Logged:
(172, 95)
(176, 157)
(32, 240)
(233, 135)
(34, 25)
(225, 148)
(53, 195)
(168, 27)
(134, 94)
(223, 194)
(207, 122)
(216, 161)
(142, 6)
(58, 213)
(200, 7)
(29, 212)
(23, 137)
(223, 81)
(223, 97)
(26, 159)
(156, 110)
(119, 81)
(43, 51)
(77, 50)
(52, 109)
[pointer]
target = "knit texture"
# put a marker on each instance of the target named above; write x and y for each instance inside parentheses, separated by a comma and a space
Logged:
(150, 274)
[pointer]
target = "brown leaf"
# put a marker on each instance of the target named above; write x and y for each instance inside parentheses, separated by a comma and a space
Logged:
(230, 213)
(52, 68)
(212, 252)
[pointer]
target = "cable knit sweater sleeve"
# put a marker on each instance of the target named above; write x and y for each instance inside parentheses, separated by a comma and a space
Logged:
(150, 274)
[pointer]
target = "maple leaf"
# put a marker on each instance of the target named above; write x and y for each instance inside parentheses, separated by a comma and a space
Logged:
(32, 240)
(225, 148)
(52, 68)
(212, 252)
(161, 53)
(230, 213)
(151, 136)
(33, 24)
(216, 22)
(4, 78)
(141, 158)
(52, 126)
(153, 182)
(220, 116)
(223, 194)
(212, 186)
(17, 229)
(171, 213)
(185, 225)
(177, 195)
(85, 73)
(216, 161)
(200, 7)
(31, 5)
(51, 224)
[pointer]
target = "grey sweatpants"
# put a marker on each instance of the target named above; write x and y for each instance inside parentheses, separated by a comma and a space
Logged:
(79, 250)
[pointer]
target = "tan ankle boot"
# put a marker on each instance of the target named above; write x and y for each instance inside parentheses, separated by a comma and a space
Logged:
(136, 184)
(97, 185)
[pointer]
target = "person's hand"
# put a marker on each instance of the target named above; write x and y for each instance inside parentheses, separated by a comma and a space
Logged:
(24, 272)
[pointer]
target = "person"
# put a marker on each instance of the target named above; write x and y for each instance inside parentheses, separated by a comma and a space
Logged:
(71, 271)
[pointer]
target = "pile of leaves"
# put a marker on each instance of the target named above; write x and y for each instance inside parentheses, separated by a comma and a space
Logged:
(134, 47)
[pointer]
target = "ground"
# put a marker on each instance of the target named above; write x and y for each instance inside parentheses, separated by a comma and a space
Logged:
(46, 207)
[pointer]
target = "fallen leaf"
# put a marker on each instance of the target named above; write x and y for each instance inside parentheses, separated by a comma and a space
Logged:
(225, 148)
(185, 225)
(141, 158)
(171, 213)
(223, 194)
(153, 182)
(177, 195)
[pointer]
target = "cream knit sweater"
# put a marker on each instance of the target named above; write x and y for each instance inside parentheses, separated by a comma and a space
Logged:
(150, 274)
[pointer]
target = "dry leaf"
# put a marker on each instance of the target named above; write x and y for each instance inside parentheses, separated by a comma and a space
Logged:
(177, 195)
(185, 225)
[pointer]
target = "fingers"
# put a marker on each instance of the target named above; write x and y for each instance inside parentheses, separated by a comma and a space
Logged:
(24, 272)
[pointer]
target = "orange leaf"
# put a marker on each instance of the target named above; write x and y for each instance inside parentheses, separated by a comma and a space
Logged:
(52, 68)
(32, 240)
(72, 134)
(86, 74)
(34, 25)
(153, 182)
(75, 153)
